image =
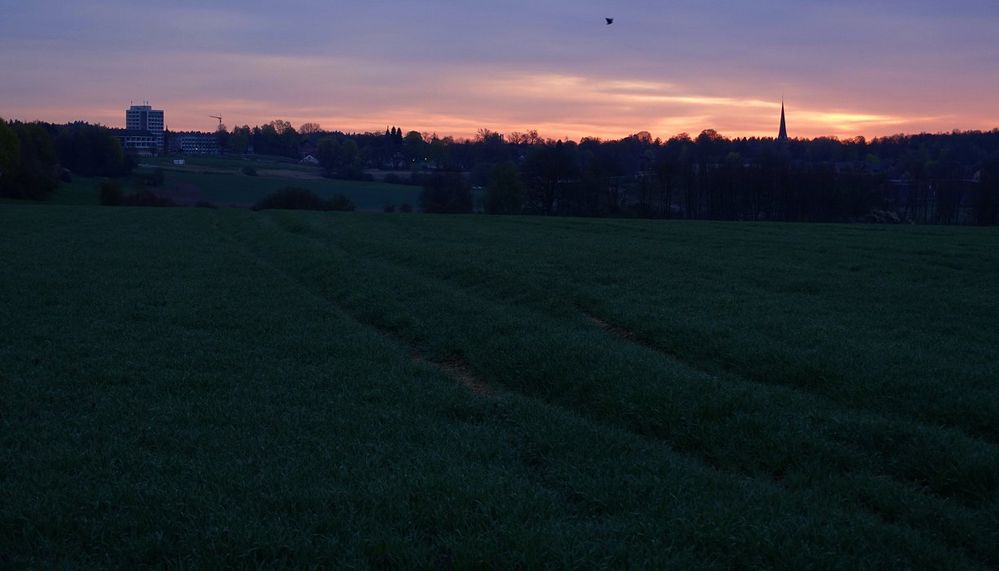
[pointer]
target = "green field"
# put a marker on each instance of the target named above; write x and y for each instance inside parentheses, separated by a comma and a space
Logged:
(220, 180)
(229, 162)
(194, 387)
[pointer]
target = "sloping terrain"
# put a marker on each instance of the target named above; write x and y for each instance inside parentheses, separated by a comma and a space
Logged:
(220, 387)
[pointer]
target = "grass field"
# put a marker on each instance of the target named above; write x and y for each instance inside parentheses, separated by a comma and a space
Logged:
(229, 162)
(219, 180)
(191, 387)
(241, 190)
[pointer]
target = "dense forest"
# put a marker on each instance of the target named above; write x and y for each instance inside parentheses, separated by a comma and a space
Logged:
(927, 178)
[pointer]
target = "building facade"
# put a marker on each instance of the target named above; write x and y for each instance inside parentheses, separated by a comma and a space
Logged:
(194, 143)
(143, 143)
(142, 122)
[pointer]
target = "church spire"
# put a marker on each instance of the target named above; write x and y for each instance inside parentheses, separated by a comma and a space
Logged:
(782, 136)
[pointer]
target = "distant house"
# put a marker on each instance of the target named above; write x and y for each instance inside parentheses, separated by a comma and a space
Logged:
(309, 160)
(308, 148)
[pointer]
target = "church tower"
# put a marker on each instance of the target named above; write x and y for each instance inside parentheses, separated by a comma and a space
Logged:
(782, 136)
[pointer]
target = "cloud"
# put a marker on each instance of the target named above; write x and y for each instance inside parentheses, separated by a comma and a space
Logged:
(845, 68)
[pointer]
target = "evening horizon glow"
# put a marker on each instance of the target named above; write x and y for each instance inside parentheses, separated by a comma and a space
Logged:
(844, 69)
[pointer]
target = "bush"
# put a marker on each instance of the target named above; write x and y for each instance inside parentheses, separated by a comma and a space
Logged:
(405, 207)
(292, 198)
(392, 178)
(446, 194)
(111, 194)
(342, 203)
(389, 208)
(145, 198)
(205, 204)
(249, 171)
(155, 178)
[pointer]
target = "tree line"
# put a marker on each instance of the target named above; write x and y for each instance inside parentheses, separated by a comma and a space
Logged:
(927, 178)
(36, 157)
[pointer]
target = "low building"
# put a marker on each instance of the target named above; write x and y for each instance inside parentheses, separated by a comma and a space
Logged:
(195, 143)
(138, 142)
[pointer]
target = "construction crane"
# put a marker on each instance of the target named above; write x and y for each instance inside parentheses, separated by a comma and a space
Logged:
(217, 117)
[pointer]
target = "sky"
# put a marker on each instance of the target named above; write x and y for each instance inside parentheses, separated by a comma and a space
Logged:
(844, 67)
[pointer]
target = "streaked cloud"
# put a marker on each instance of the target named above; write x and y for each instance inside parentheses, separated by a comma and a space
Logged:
(845, 68)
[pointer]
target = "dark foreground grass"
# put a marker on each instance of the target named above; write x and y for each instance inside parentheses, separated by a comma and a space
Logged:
(189, 387)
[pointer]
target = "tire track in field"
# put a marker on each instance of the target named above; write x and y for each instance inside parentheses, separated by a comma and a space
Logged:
(632, 337)
(459, 370)
(728, 376)
(727, 372)
(774, 477)
(454, 366)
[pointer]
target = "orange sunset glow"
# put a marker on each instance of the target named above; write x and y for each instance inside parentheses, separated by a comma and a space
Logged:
(707, 72)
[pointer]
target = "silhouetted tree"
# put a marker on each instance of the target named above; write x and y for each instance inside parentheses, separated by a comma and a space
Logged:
(340, 159)
(504, 193)
(446, 193)
(239, 140)
(544, 170)
(664, 168)
(328, 155)
(437, 152)
(413, 146)
(310, 128)
(34, 174)
(90, 150)
(987, 208)
(10, 151)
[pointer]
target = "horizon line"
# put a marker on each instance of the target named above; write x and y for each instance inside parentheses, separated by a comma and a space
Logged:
(427, 134)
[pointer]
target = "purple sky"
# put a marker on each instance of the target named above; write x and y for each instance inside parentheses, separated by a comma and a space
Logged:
(845, 68)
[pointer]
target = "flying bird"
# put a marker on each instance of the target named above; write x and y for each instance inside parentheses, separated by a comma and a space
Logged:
(609, 21)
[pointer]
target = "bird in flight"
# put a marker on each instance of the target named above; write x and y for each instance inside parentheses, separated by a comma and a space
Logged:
(609, 21)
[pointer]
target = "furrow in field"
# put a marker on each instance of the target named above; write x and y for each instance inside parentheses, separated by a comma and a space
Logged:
(865, 377)
(759, 431)
(459, 370)
(455, 367)
(632, 337)
(520, 287)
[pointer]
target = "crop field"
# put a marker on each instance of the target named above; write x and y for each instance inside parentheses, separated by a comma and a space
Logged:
(197, 387)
